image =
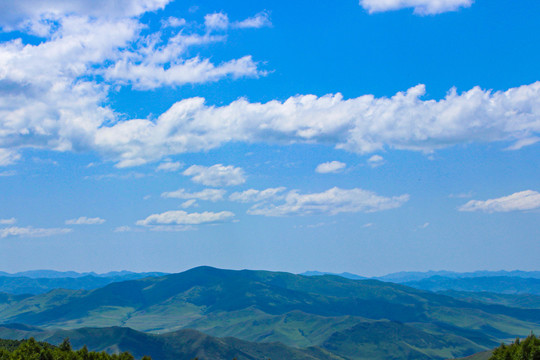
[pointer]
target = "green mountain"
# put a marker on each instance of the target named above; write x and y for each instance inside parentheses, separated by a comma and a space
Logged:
(298, 311)
(178, 345)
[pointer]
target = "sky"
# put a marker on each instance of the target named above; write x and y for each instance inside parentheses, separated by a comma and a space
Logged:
(369, 136)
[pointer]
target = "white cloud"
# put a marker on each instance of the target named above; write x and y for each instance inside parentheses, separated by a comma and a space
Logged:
(520, 201)
(206, 194)
(10, 221)
(362, 125)
(216, 175)
(220, 21)
(253, 195)
(216, 21)
(188, 203)
(332, 201)
(375, 161)
(421, 7)
(83, 220)
(260, 20)
(179, 217)
(33, 14)
(50, 93)
(124, 228)
(173, 22)
(169, 166)
(49, 97)
(8, 157)
(330, 167)
(15, 231)
(423, 226)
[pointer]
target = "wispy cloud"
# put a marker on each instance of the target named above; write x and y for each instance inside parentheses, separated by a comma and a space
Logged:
(179, 217)
(206, 194)
(253, 195)
(9, 221)
(169, 166)
(83, 220)
(520, 201)
(332, 202)
(375, 161)
(15, 231)
(421, 7)
(216, 175)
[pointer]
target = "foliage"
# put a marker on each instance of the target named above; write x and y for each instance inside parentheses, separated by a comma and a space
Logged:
(528, 349)
(32, 350)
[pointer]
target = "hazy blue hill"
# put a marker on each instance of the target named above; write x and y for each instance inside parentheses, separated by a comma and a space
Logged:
(178, 345)
(344, 274)
(274, 306)
(495, 284)
(39, 285)
(409, 276)
(53, 274)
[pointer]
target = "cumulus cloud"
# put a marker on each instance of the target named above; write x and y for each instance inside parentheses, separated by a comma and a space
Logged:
(520, 201)
(179, 217)
(362, 125)
(9, 221)
(253, 195)
(421, 7)
(216, 175)
(50, 97)
(169, 166)
(330, 167)
(375, 161)
(206, 194)
(332, 202)
(33, 14)
(15, 231)
(83, 220)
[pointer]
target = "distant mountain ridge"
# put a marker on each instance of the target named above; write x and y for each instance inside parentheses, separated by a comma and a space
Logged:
(29, 285)
(409, 276)
(53, 274)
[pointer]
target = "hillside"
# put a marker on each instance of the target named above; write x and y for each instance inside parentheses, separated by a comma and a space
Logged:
(178, 345)
(299, 311)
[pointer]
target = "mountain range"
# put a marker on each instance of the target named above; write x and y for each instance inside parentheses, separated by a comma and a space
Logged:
(331, 315)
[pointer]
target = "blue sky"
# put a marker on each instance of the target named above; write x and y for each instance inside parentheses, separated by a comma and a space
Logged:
(368, 137)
